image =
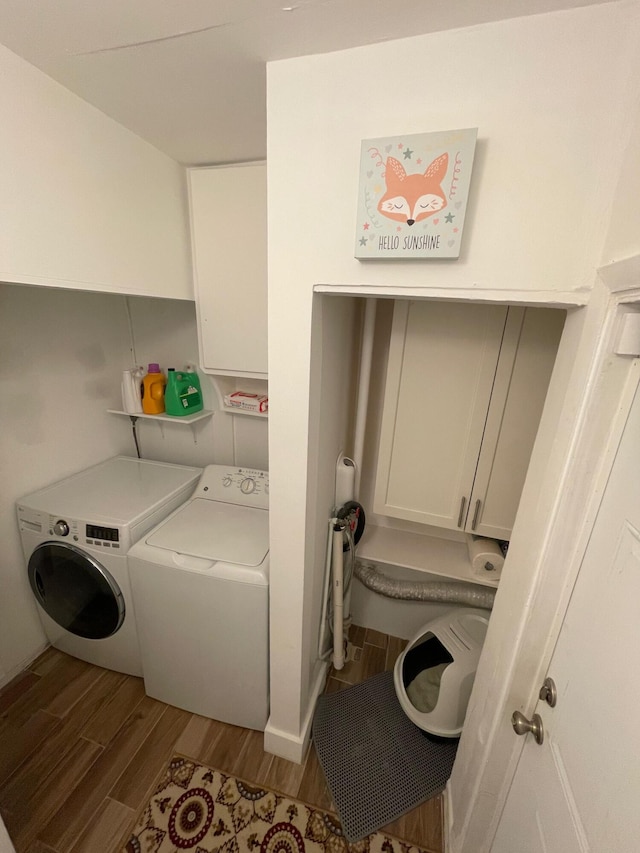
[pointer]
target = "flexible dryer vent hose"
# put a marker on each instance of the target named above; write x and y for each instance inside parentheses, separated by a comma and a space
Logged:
(444, 592)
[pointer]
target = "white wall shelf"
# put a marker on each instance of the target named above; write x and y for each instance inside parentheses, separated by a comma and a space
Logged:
(174, 419)
(444, 557)
(235, 411)
(227, 384)
(187, 420)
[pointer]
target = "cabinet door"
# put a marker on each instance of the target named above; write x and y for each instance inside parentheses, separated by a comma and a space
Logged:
(526, 361)
(442, 363)
(229, 235)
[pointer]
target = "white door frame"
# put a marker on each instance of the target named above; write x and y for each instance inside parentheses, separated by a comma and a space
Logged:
(584, 416)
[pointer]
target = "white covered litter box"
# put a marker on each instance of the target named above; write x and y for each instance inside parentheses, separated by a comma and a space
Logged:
(434, 675)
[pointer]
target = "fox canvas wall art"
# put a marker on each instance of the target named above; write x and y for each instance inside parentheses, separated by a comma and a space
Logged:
(413, 194)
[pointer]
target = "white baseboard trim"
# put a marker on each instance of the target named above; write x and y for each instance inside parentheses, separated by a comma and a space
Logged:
(283, 744)
(6, 677)
(294, 747)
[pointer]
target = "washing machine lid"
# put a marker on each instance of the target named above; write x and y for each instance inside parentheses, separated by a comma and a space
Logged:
(118, 491)
(214, 530)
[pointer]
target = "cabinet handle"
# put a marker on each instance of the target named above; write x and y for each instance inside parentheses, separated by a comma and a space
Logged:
(461, 514)
(476, 513)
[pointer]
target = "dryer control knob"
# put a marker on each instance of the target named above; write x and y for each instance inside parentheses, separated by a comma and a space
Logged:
(61, 528)
(247, 486)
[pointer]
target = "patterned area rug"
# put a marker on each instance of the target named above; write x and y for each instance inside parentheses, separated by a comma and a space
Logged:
(199, 809)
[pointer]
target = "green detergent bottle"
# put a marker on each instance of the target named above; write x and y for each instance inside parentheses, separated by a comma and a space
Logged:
(183, 395)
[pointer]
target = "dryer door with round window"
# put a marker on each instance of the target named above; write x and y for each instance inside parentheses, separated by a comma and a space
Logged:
(75, 590)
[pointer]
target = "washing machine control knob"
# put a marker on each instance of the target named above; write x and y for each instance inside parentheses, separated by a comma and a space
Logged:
(248, 485)
(226, 481)
(61, 528)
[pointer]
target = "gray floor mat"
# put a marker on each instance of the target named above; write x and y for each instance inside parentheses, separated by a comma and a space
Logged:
(378, 765)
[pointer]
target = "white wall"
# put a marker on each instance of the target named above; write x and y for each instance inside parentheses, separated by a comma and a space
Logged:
(546, 162)
(83, 202)
(294, 630)
(63, 352)
(550, 145)
(623, 237)
(59, 351)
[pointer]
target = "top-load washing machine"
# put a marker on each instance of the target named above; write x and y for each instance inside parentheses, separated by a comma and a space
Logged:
(200, 581)
(75, 536)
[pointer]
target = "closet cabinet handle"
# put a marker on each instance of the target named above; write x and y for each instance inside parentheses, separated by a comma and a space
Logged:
(461, 513)
(476, 513)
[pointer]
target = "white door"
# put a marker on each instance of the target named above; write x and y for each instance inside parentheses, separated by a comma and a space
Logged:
(5, 842)
(580, 790)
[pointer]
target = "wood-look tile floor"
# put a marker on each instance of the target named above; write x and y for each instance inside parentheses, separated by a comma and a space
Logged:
(81, 748)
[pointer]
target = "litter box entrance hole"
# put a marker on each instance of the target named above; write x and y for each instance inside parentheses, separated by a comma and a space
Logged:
(425, 662)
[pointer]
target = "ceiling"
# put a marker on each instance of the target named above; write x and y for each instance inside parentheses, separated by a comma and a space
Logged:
(189, 75)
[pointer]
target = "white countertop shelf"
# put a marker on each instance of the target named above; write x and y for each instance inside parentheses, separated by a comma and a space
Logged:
(443, 557)
(174, 419)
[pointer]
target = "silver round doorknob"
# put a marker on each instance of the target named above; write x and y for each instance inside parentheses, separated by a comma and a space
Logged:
(522, 726)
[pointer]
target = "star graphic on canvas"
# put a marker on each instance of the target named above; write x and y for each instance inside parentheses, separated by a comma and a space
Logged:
(449, 217)
(407, 153)
(366, 226)
(363, 241)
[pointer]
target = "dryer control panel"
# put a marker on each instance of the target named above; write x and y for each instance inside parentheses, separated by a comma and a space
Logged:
(74, 530)
(242, 486)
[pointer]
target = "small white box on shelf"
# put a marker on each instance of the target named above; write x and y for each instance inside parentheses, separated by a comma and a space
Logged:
(247, 402)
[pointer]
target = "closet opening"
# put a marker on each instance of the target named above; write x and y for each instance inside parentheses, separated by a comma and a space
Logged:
(454, 395)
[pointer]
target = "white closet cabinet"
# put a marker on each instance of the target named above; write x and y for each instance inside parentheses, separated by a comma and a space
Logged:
(527, 356)
(464, 393)
(229, 237)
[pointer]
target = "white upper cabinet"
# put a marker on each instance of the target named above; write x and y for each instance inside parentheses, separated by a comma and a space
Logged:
(442, 360)
(464, 393)
(229, 238)
(527, 356)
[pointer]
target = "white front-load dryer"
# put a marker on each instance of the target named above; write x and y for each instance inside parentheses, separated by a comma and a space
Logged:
(76, 535)
(200, 582)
